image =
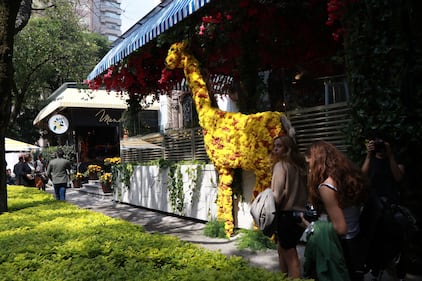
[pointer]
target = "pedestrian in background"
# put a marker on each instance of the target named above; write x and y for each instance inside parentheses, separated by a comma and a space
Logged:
(58, 171)
(289, 188)
(28, 171)
(338, 188)
(17, 170)
(40, 172)
(10, 180)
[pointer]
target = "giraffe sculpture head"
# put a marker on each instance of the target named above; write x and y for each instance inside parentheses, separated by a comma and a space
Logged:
(175, 55)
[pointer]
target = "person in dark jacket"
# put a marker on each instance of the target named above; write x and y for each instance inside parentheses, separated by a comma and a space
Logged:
(385, 174)
(17, 169)
(27, 172)
(58, 171)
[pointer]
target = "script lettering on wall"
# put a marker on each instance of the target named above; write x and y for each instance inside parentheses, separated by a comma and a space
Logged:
(103, 117)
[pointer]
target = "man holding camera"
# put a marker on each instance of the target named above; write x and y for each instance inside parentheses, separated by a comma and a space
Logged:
(383, 170)
(385, 174)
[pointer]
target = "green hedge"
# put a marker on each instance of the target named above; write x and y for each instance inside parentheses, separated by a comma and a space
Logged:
(44, 239)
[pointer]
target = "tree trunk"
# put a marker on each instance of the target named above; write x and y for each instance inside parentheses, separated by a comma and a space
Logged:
(8, 14)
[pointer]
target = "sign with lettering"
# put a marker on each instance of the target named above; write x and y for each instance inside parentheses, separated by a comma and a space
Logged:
(101, 117)
(58, 124)
(104, 117)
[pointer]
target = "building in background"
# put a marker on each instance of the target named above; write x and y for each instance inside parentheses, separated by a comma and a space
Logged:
(101, 16)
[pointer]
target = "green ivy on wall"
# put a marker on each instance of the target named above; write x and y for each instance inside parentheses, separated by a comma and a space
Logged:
(383, 64)
(383, 57)
(175, 184)
(175, 188)
(123, 172)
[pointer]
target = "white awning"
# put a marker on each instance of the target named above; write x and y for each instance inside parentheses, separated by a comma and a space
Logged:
(18, 146)
(138, 143)
(167, 14)
(81, 98)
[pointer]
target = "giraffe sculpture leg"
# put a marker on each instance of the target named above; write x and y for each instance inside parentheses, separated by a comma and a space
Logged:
(224, 199)
(263, 180)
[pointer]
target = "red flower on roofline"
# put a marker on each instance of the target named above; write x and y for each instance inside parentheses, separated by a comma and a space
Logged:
(218, 41)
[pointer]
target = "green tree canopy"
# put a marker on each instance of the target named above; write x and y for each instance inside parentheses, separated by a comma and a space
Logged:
(52, 49)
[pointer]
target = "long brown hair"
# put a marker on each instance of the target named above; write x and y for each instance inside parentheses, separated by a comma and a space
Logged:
(291, 155)
(325, 160)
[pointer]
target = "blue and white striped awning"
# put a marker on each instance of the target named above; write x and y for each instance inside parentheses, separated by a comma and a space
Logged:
(161, 18)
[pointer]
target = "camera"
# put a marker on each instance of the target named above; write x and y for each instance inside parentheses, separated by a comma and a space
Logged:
(379, 146)
(310, 214)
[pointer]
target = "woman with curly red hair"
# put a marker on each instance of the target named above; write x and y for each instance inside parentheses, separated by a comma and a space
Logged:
(338, 188)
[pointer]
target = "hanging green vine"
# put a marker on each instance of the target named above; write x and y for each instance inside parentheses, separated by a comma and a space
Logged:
(194, 173)
(175, 188)
(175, 184)
(123, 172)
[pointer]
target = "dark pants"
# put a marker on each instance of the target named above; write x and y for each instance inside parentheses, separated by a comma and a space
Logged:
(354, 255)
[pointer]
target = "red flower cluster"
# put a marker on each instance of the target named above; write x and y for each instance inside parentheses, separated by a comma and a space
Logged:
(140, 74)
(267, 32)
(336, 10)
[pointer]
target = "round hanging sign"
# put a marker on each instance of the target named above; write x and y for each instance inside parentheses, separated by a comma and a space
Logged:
(58, 124)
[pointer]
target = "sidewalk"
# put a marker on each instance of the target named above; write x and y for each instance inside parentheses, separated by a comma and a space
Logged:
(187, 230)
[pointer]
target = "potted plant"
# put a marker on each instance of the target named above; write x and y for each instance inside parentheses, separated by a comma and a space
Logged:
(93, 171)
(106, 180)
(77, 179)
(110, 162)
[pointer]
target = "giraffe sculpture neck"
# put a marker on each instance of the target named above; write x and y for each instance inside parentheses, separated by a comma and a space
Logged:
(196, 83)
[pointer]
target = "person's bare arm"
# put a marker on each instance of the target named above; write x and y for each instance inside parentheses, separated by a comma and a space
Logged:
(334, 212)
(278, 182)
(370, 147)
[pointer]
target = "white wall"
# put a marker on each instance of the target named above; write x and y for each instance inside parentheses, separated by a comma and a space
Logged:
(148, 189)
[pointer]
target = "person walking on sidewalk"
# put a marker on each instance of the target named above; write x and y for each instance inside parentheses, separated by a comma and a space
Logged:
(27, 172)
(40, 170)
(17, 170)
(58, 171)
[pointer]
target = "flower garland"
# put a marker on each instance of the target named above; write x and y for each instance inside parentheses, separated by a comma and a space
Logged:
(285, 40)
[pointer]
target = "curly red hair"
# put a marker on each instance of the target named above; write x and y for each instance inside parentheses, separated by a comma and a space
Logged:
(325, 160)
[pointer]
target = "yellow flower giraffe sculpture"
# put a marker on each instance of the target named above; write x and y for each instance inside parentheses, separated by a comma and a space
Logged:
(232, 140)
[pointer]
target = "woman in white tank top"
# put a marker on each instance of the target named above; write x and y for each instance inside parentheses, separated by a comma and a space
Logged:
(338, 188)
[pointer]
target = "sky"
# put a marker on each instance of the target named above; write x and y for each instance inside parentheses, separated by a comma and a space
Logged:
(134, 10)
